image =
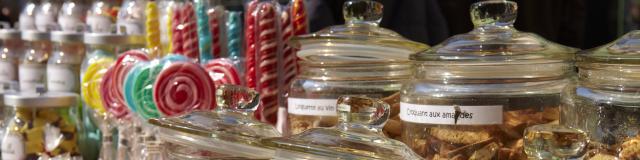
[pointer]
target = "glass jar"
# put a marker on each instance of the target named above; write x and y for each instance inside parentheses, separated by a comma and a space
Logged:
(63, 69)
(72, 15)
(101, 16)
(358, 135)
(32, 68)
(230, 132)
(358, 58)
(41, 127)
(10, 49)
(46, 15)
(474, 94)
(131, 17)
(604, 102)
(27, 16)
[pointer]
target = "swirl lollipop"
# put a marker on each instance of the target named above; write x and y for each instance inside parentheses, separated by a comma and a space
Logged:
(267, 55)
(91, 80)
(182, 87)
(112, 85)
(222, 71)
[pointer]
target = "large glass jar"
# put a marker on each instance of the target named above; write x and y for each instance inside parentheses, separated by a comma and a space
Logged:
(27, 16)
(101, 16)
(72, 15)
(358, 58)
(41, 127)
(63, 69)
(32, 68)
(474, 94)
(605, 101)
(46, 15)
(10, 49)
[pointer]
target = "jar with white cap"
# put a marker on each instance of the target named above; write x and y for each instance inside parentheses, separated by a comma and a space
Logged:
(63, 68)
(10, 50)
(46, 15)
(32, 66)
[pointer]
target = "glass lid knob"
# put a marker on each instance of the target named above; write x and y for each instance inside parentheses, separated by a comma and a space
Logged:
(362, 11)
(364, 111)
(494, 13)
(237, 99)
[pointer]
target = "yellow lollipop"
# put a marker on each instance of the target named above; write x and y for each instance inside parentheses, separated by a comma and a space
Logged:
(91, 83)
(152, 25)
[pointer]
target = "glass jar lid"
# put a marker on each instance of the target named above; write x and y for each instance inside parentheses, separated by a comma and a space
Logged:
(359, 40)
(624, 50)
(67, 37)
(113, 39)
(34, 35)
(358, 135)
(41, 99)
(495, 40)
(230, 129)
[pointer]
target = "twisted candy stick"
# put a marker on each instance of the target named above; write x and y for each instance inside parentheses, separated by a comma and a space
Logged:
(234, 30)
(91, 80)
(268, 60)
(169, 28)
(113, 83)
(299, 16)
(288, 55)
(189, 32)
(152, 26)
(176, 31)
(203, 32)
(182, 87)
(250, 44)
(222, 71)
(214, 21)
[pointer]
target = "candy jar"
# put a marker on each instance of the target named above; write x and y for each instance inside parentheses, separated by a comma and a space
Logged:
(41, 127)
(46, 15)
(483, 88)
(358, 58)
(10, 49)
(32, 68)
(229, 131)
(358, 135)
(63, 68)
(604, 102)
(72, 15)
(101, 16)
(27, 16)
(131, 17)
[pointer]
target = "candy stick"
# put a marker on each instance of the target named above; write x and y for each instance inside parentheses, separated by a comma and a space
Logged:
(169, 26)
(91, 80)
(152, 26)
(222, 71)
(204, 32)
(189, 32)
(299, 16)
(216, 32)
(182, 87)
(250, 44)
(289, 58)
(267, 44)
(113, 82)
(176, 31)
(234, 31)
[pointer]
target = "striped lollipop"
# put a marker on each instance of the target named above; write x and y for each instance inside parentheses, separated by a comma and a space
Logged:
(250, 44)
(189, 33)
(152, 26)
(267, 45)
(176, 30)
(113, 82)
(204, 33)
(91, 81)
(222, 71)
(215, 18)
(182, 87)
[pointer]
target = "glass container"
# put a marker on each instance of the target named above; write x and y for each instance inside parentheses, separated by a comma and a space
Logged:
(131, 17)
(46, 15)
(32, 66)
(229, 132)
(358, 135)
(474, 94)
(27, 16)
(358, 58)
(10, 49)
(72, 16)
(605, 101)
(101, 16)
(63, 68)
(41, 126)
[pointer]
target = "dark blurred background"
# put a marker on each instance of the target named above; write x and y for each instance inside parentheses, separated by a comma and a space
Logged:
(577, 23)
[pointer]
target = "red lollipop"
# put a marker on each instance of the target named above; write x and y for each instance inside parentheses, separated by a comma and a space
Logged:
(182, 87)
(267, 45)
(250, 44)
(189, 33)
(113, 80)
(222, 71)
(176, 28)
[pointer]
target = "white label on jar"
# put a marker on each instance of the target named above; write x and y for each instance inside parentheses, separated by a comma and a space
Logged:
(312, 107)
(12, 146)
(446, 114)
(7, 71)
(31, 75)
(61, 78)
(99, 24)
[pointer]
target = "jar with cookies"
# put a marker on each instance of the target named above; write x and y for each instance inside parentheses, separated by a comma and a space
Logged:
(474, 94)
(358, 58)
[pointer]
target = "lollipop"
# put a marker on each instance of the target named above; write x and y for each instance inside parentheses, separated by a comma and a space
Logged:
(112, 85)
(152, 29)
(250, 44)
(203, 32)
(267, 56)
(189, 32)
(182, 87)
(234, 30)
(299, 16)
(91, 83)
(176, 31)
(222, 71)
(289, 58)
(214, 22)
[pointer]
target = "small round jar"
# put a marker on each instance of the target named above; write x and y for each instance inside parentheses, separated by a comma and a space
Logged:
(42, 126)
(605, 101)
(358, 58)
(32, 68)
(63, 68)
(10, 50)
(474, 94)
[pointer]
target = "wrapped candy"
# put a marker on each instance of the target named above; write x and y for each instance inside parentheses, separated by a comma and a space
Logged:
(204, 33)
(267, 45)
(250, 44)
(176, 30)
(189, 32)
(215, 23)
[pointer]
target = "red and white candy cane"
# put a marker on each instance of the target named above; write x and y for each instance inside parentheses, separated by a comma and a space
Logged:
(222, 71)
(289, 58)
(267, 45)
(190, 32)
(250, 44)
(182, 87)
(299, 16)
(215, 18)
(111, 87)
(176, 31)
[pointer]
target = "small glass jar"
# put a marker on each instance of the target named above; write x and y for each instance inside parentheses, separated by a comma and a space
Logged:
(474, 94)
(358, 58)
(101, 16)
(230, 132)
(46, 15)
(605, 101)
(63, 69)
(131, 17)
(32, 68)
(27, 16)
(10, 49)
(41, 127)
(72, 15)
